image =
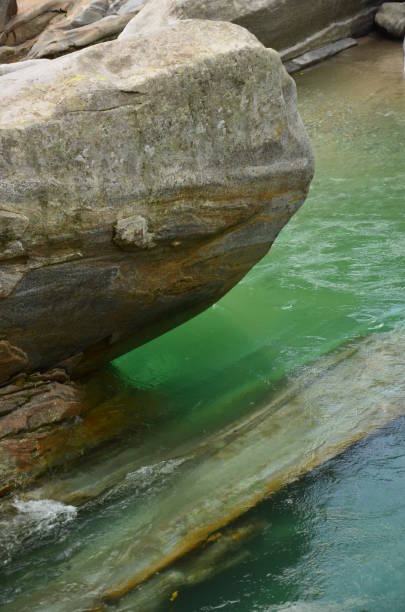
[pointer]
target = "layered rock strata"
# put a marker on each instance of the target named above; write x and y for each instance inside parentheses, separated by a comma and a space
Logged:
(47, 420)
(52, 27)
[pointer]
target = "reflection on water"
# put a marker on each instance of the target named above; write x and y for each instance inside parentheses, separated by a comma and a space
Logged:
(334, 538)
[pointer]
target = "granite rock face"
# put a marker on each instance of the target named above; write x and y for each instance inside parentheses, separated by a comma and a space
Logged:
(152, 174)
(391, 18)
(292, 27)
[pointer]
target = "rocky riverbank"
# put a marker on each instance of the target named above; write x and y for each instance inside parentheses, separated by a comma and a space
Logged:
(53, 27)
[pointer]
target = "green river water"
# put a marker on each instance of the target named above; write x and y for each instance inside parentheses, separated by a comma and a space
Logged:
(335, 538)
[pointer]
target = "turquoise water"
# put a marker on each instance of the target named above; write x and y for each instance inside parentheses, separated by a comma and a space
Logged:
(334, 539)
(337, 271)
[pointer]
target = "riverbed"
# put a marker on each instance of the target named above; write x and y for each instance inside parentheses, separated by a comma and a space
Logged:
(321, 316)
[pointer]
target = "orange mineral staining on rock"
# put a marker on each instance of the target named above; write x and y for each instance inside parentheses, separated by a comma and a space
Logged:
(174, 596)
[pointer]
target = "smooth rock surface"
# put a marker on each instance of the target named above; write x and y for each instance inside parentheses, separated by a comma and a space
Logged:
(7, 68)
(152, 175)
(292, 27)
(391, 18)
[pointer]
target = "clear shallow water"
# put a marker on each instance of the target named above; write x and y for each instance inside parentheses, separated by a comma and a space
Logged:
(335, 273)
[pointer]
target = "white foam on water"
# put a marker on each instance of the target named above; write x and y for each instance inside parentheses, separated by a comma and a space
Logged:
(150, 472)
(45, 509)
(143, 482)
(34, 519)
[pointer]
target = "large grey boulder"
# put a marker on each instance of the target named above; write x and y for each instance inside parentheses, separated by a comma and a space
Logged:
(140, 180)
(292, 27)
(391, 18)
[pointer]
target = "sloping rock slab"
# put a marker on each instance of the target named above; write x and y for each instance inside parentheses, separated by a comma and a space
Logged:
(318, 55)
(141, 179)
(324, 408)
(58, 40)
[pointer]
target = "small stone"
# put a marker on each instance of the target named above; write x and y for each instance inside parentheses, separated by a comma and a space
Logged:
(133, 232)
(68, 365)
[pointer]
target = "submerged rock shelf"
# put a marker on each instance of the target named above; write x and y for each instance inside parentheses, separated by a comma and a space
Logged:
(311, 420)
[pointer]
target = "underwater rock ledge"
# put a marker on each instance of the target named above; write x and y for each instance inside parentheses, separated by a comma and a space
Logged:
(198, 492)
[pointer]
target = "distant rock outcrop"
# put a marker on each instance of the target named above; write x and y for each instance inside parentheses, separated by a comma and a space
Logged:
(391, 18)
(53, 27)
(292, 27)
